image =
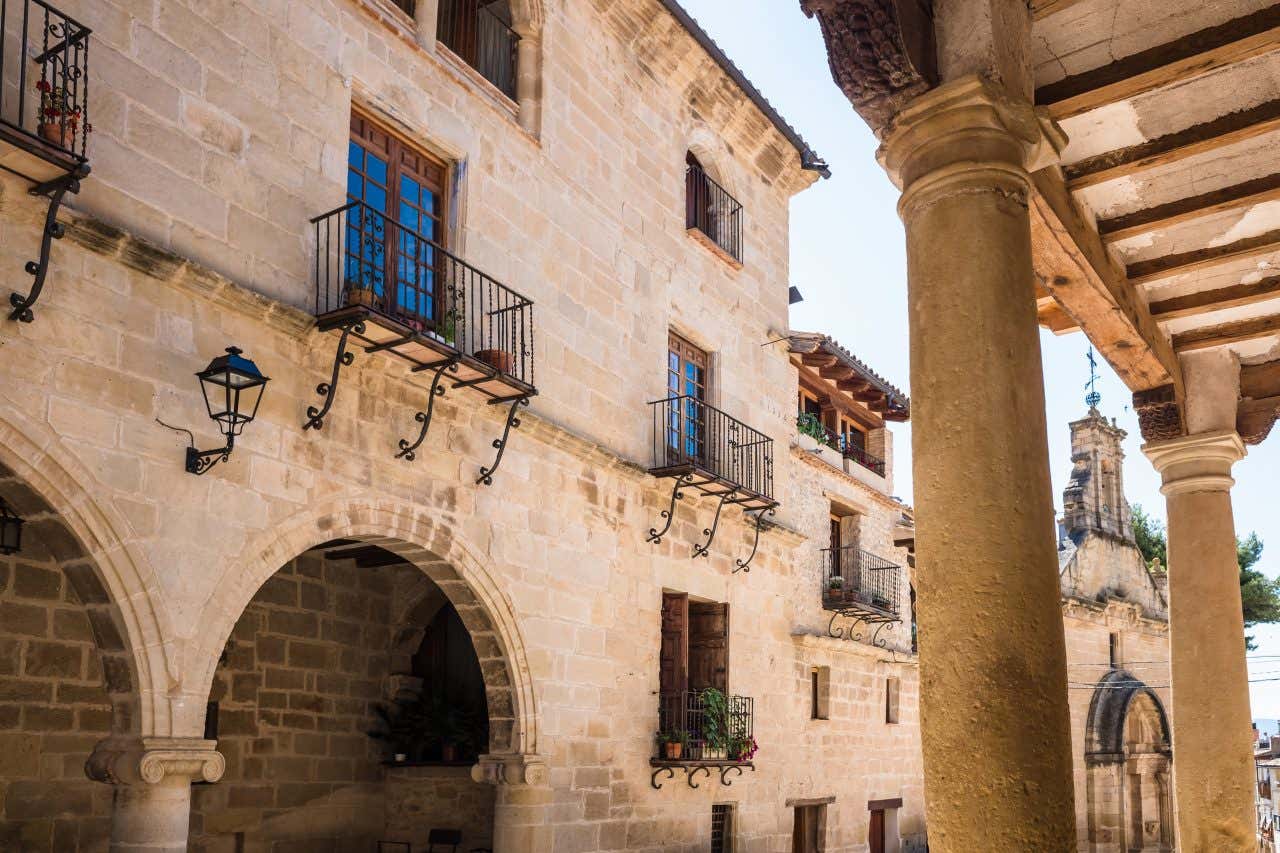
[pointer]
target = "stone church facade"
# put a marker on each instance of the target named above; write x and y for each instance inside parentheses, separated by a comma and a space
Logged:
(526, 586)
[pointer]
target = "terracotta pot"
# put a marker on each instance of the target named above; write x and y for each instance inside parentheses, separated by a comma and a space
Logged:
(362, 296)
(673, 750)
(499, 360)
(64, 136)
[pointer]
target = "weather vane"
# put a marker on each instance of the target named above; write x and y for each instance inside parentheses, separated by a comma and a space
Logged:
(1093, 398)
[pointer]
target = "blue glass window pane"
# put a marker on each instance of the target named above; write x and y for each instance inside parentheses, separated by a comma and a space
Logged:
(376, 197)
(355, 185)
(408, 189)
(376, 169)
(355, 156)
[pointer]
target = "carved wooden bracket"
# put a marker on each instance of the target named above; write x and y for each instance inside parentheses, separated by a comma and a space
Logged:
(881, 52)
(1159, 415)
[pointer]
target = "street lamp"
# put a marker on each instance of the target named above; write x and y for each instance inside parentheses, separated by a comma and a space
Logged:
(232, 386)
(10, 530)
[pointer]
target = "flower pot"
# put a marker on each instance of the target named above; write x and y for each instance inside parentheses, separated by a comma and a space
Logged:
(57, 133)
(673, 750)
(362, 296)
(500, 360)
(401, 757)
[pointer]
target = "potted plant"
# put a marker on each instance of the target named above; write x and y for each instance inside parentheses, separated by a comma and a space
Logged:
(672, 744)
(812, 435)
(715, 719)
(360, 293)
(59, 116)
(835, 584)
(742, 748)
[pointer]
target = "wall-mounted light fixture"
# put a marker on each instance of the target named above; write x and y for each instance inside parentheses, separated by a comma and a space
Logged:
(232, 386)
(10, 530)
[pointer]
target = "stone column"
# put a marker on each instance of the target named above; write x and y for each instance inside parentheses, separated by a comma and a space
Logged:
(519, 816)
(1213, 769)
(153, 776)
(994, 713)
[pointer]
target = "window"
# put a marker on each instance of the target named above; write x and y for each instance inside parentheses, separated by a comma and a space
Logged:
(891, 700)
(1117, 650)
(819, 692)
(406, 6)
(722, 828)
(809, 830)
(846, 535)
(695, 644)
(710, 209)
(480, 33)
(688, 376)
(394, 232)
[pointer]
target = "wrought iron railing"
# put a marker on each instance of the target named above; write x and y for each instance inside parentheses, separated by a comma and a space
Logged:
(811, 426)
(482, 39)
(688, 431)
(704, 731)
(853, 579)
(366, 258)
(44, 77)
(714, 212)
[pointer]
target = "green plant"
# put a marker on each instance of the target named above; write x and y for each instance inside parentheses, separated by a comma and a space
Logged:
(449, 325)
(715, 718)
(416, 726)
(835, 582)
(743, 748)
(808, 424)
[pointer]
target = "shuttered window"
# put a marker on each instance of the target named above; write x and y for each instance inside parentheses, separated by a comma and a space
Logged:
(695, 644)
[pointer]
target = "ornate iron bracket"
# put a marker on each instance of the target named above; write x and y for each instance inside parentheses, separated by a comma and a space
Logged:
(854, 634)
(199, 461)
(710, 532)
(693, 768)
(745, 565)
(407, 450)
(342, 358)
(53, 230)
(500, 444)
(655, 535)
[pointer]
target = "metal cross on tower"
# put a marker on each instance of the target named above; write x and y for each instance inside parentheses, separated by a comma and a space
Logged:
(1093, 398)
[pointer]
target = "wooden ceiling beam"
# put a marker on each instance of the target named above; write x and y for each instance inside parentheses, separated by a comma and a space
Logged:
(1164, 65)
(1084, 279)
(1227, 199)
(818, 359)
(1255, 418)
(1175, 147)
(1196, 260)
(1258, 381)
(837, 372)
(853, 385)
(1236, 296)
(1227, 333)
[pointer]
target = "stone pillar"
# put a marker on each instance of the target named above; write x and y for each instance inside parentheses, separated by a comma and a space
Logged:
(994, 713)
(1213, 771)
(519, 814)
(153, 776)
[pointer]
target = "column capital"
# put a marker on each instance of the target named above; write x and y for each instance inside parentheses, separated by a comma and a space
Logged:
(510, 769)
(1196, 463)
(967, 125)
(152, 760)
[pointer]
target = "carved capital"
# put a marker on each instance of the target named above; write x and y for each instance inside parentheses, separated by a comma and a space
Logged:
(152, 760)
(510, 769)
(1196, 463)
(1159, 415)
(881, 52)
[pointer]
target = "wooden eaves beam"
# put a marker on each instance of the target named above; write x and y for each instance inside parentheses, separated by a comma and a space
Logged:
(1259, 401)
(1164, 65)
(1077, 270)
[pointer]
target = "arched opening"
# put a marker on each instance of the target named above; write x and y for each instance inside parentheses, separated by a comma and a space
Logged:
(352, 701)
(1128, 761)
(67, 681)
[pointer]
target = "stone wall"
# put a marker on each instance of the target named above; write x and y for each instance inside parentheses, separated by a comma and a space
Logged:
(420, 798)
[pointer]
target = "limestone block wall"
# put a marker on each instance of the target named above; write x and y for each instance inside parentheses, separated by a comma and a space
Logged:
(419, 798)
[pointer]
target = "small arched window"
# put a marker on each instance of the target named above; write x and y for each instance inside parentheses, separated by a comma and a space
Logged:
(711, 210)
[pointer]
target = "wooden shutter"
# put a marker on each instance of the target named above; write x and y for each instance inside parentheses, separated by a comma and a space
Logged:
(673, 660)
(708, 645)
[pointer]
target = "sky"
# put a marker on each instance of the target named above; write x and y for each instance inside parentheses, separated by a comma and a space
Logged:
(848, 259)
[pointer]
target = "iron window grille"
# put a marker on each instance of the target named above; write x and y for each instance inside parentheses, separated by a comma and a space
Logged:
(365, 258)
(691, 435)
(684, 716)
(711, 210)
(44, 63)
(474, 31)
(722, 828)
(860, 583)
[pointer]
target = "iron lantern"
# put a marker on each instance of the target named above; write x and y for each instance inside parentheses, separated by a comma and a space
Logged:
(10, 530)
(232, 387)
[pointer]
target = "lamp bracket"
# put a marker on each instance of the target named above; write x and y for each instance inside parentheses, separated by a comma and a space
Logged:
(199, 461)
(54, 190)
(341, 358)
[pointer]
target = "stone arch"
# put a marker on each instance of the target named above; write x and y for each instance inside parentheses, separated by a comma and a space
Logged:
(437, 550)
(713, 155)
(1114, 695)
(113, 579)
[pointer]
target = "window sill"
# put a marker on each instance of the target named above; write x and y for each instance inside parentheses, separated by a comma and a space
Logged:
(713, 247)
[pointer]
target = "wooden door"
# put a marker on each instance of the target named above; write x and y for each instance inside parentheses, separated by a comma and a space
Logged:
(673, 660)
(688, 377)
(806, 831)
(708, 645)
(876, 832)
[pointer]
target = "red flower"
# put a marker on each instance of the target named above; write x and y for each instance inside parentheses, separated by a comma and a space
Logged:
(44, 86)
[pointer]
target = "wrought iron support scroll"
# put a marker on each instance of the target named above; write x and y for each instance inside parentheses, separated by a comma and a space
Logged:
(342, 358)
(724, 772)
(55, 190)
(500, 444)
(856, 630)
(693, 768)
(407, 450)
(655, 535)
(710, 532)
(745, 565)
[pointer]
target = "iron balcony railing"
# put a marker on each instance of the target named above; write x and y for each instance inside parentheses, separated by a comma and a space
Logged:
(809, 424)
(704, 732)
(472, 30)
(854, 580)
(44, 79)
(366, 258)
(689, 432)
(714, 212)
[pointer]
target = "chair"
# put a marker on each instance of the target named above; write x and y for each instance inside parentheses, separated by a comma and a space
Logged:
(444, 837)
(395, 847)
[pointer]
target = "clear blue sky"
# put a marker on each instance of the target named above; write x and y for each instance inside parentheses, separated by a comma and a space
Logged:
(848, 259)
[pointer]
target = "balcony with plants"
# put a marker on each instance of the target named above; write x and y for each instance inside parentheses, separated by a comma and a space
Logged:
(810, 426)
(701, 732)
(860, 589)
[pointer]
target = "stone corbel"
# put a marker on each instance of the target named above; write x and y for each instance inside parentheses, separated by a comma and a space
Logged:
(510, 769)
(153, 760)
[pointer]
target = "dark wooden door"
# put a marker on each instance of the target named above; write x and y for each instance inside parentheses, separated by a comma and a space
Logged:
(806, 831)
(876, 832)
(708, 645)
(673, 660)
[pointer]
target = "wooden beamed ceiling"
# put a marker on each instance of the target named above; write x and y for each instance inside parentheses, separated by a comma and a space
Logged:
(844, 377)
(1259, 401)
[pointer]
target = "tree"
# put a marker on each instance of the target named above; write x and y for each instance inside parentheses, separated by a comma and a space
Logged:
(1259, 595)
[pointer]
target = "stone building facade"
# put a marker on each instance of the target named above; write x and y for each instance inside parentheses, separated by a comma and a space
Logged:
(1116, 622)
(212, 649)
